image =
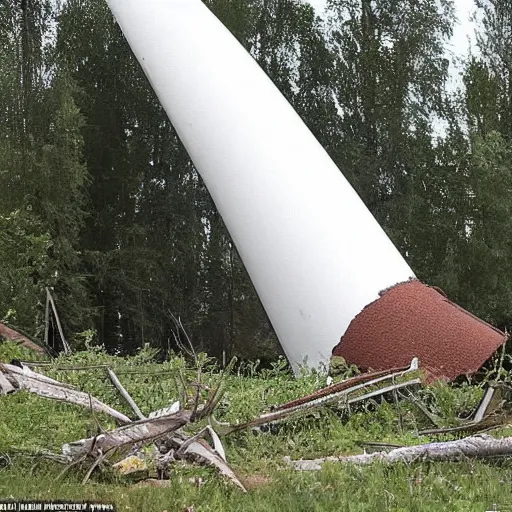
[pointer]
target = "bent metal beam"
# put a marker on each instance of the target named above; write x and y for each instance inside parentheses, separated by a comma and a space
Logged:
(314, 252)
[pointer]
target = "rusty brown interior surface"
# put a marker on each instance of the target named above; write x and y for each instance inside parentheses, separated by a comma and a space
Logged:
(415, 320)
(11, 334)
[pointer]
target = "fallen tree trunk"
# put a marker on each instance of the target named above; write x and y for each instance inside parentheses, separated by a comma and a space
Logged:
(144, 431)
(478, 446)
(15, 378)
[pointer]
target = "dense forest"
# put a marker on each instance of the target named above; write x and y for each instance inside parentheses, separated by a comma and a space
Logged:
(101, 203)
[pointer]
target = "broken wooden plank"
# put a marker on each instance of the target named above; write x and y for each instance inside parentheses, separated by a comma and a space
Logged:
(24, 379)
(478, 446)
(484, 404)
(217, 444)
(218, 448)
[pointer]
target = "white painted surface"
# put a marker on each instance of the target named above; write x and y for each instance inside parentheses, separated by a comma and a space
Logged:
(314, 252)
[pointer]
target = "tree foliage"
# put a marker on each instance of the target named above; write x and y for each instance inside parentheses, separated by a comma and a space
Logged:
(102, 203)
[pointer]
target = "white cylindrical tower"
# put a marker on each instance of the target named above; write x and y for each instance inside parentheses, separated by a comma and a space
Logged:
(314, 252)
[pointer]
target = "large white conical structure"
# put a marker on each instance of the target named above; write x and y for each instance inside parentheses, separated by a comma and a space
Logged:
(314, 252)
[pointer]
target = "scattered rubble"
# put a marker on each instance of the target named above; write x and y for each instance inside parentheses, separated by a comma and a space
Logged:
(151, 446)
(162, 429)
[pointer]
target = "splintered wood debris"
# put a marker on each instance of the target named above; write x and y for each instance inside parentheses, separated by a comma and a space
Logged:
(160, 440)
(162, 428)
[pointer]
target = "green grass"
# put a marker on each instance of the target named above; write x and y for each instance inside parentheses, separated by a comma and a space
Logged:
(453, 487)
(30, 422)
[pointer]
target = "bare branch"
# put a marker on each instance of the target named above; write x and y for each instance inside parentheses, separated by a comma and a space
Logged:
(125, 394)
(179, 326)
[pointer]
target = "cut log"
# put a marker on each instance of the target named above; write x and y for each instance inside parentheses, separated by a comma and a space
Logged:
(478, 446)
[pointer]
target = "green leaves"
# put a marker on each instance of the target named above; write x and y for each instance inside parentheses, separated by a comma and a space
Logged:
(23, 262)
(118, 222)
(42, 173)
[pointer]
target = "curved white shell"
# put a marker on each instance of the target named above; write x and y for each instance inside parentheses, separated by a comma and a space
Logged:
(314, 252)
